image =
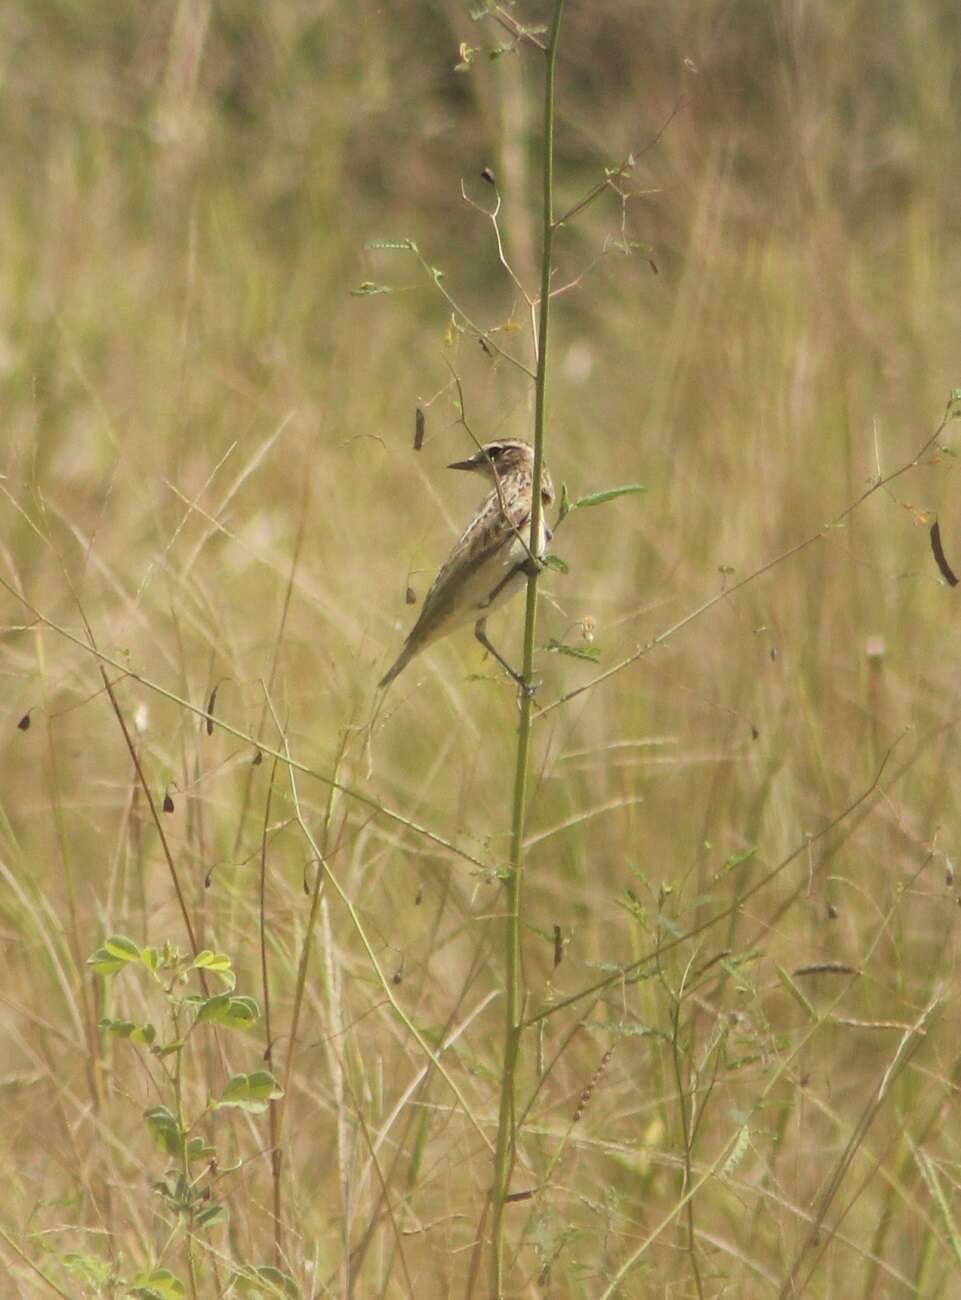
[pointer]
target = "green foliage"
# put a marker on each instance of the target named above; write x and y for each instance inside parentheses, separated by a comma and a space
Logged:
(165, 1130)
(218, 963)
(607, 494)
(157, 1284)
(555, 562)
(169, 966)
(189, 1198)
(589, 652)
(143, 1034)
(233, 1012)
(250, 1092)
(115, 954)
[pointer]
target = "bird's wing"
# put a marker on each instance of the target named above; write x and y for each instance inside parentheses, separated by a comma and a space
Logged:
(493, 529)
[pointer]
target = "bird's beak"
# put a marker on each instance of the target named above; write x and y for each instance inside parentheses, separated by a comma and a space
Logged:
(472, 463)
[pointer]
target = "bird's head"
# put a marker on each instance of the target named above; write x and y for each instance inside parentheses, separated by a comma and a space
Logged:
(503, 459)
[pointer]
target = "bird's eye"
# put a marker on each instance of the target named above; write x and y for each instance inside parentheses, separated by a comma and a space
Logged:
(494, 451)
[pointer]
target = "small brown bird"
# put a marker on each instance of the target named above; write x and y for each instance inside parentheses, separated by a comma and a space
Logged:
(491, 561)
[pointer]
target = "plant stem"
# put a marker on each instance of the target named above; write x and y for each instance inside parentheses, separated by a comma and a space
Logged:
(506, 1133)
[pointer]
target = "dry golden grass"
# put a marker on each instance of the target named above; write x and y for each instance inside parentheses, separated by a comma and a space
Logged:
(208, 450)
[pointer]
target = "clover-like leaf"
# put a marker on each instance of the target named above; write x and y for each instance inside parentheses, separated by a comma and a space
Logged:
(144, 1034)
(117, 952)
(250, 1092)
(218, 963)
(230, 1010)
(165, 1130)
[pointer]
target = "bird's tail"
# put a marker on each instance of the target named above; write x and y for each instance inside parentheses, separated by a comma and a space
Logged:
(403, 659)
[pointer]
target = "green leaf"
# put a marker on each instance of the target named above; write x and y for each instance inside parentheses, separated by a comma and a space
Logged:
(218, 963)
(591, 653)
(608, 494)
(405, 244)
(118, 945)
(103, 963)
(144, 1034)
(211, 1216)
(230, 1010)
(555, 562)
(165, 1130)
(175, 1190)
(368, 288)
(564, 509)
(265, 1281)
(250, 1092)
(122, 1028)
(198, 1149)
(158, 1284)
(116, 953)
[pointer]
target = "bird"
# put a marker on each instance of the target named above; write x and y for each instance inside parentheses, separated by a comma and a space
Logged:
(492, 560)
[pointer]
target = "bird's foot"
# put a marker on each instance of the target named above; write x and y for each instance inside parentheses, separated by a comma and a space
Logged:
(525, 689)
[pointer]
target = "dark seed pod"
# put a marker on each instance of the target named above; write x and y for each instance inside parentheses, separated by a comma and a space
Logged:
(209, 721)
(939, 557)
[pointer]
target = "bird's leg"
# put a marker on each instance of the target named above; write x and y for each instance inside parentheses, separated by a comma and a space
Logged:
(480, 631)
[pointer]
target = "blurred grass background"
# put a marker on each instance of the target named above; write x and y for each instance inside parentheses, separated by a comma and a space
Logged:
(189, 387)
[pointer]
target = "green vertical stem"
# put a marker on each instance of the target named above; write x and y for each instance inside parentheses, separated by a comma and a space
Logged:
(506, 1133)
